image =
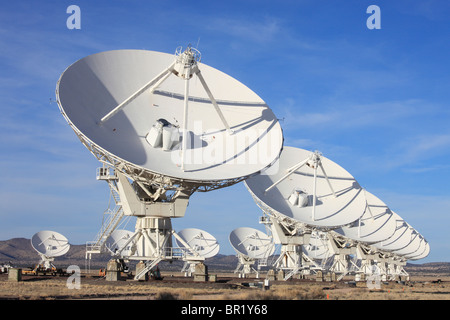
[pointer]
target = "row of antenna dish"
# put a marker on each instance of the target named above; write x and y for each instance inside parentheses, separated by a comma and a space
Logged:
(327, 198)
(249, 242)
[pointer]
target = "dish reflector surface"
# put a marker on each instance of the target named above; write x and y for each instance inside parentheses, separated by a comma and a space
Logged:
(201, 241)
(50, 243)
(420, 253)
(251, 243)
(330, 211)
(93, 86)
(414, 242)
(400, 239)
(317, 249)
(376, 224)
(118, 240)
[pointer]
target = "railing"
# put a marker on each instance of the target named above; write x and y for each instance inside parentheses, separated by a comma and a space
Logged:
(92, 247)
(106, 173)
(113, 217)
(262, 262)
(292, 273)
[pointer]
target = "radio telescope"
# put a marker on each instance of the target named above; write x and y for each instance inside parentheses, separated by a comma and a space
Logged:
(49, 245)
(400, 238)
(197, 245)
(311, 189)
(422, 251)
(317, 250)
(120, 243)
(414, 240)
(388, 256)
(164, 126)
(375, 225)
(251, 246)
(307, 192)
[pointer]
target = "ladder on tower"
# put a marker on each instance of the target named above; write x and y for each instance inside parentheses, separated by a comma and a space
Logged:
(111, 217)
(293, 272)
(149, 265)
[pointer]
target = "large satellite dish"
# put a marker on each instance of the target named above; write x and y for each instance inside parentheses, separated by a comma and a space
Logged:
(122, 103)
(199, 241)
(169, 126)
(251, 243)
(49, 245)
(309, 188)
(376, 224)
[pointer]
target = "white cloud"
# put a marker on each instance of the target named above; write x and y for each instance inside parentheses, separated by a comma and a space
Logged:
(420, 153)
(254, 31)
(352, 116)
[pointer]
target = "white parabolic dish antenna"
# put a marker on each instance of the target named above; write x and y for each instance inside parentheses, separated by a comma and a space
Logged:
(414, 243)
(50, 244)
(200, 241)
(113, 100)
(317, 248)
(376, 224)
(338, 200)
(421, 253)
(251, 243)
(400, 239)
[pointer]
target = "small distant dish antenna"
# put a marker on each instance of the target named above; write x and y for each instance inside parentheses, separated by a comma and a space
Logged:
(317, 248)
(49, 245)
(199, 241)
(252, 246)
(120, 243)
(196, 242)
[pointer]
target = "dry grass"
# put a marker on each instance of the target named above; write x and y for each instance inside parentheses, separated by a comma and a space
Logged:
(56, 288)
(285, 292)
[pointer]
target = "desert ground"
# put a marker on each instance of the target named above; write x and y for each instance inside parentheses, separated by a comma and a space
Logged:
(175, 286)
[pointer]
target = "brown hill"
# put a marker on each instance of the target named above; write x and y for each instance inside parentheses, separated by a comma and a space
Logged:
(16, 249)
(19, 253)
(430, 268)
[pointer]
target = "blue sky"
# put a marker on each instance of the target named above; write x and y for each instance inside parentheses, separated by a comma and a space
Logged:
(374, 101)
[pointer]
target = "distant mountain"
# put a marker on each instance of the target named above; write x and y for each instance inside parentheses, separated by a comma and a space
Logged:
(20, 253)
(16, 249)
(428, 268)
